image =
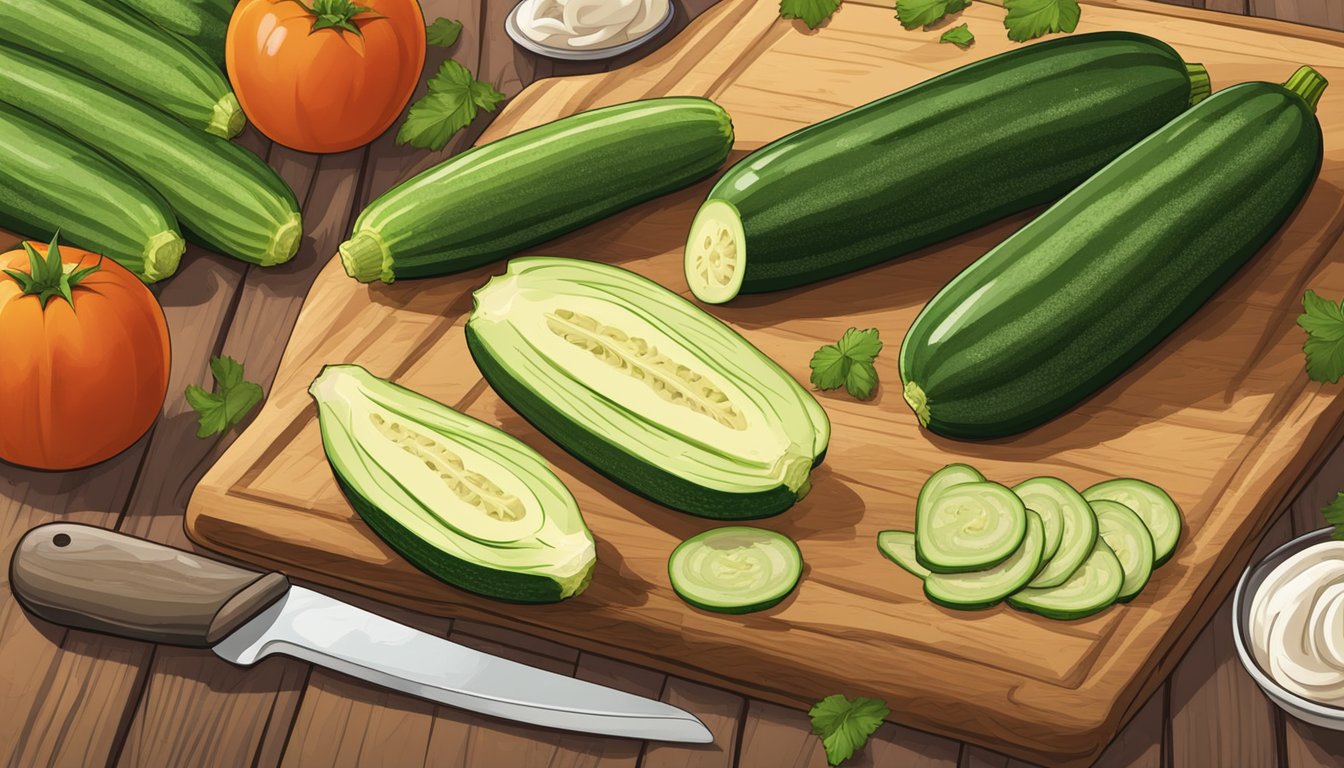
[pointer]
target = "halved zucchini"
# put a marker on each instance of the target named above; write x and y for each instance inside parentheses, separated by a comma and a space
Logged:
(646, 388)
(968, 527)
(1128, 538)
(1153, 506)
(737, 569)
(1078, 526)
(1091, 588)
(982, 589)
(459, 499)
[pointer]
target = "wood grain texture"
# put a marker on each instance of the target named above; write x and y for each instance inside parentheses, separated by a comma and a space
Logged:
(720, 711)
(1232, 438)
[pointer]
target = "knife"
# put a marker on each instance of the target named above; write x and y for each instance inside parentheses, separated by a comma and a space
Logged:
(90, 578)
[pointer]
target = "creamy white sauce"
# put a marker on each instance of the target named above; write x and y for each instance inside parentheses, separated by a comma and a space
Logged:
(1297, 623)
(588, 24)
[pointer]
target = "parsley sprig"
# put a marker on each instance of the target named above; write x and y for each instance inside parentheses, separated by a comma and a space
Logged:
(848, 363)
(844, 725)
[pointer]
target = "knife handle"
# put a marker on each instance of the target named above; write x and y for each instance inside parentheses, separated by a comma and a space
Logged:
(91, 578)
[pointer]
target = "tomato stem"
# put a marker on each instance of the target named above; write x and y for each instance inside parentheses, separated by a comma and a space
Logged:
(338, 15)
(48, 277)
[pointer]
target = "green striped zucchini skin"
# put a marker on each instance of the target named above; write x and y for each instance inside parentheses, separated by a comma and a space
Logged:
(943, 157)
(224, 196)
(110, 43)
(494, 200)
(1084, 291)
(204, 23)
(50, 182)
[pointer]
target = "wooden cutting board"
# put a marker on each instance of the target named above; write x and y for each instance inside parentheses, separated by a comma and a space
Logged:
(1221, 415)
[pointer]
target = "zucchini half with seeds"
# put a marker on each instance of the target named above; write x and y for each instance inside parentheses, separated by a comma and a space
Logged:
(646, 388)
(459, 499)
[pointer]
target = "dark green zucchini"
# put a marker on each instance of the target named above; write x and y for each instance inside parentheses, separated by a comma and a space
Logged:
(1074, 298)
(936, 160)
(104, 40)
(205, 23)
(224, 196)
(491, 201)
(50, 182)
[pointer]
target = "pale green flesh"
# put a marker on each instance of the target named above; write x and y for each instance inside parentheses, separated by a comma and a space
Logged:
(1128, 538)
(1094, 586)
(716, 253)
(982, 588)
(952, 474)
(650, 370)
(1049, 507)
(1078, 529)
(735, 567)
(500, 506)
(1153, 506)
(968, 527)
(899, 547)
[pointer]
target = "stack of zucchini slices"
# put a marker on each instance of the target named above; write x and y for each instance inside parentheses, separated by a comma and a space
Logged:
(1041, 545)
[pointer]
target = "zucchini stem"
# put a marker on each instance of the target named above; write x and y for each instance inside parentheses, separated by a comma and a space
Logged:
(163, 253)
(226, 118)
(366, 258)
(1309, 84)
(918, 402)
(1200, 86)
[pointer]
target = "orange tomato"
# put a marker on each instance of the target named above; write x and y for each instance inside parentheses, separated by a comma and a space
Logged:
(80, 382)
(325, 76)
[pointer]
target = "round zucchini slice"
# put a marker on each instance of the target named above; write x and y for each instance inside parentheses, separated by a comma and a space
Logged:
(1078, 526)
(1128, 538)
(1091, 589)
(1153, 506)
(899, 548)
(737, 569)
(968, 527)
(982, 589)
(952, 474)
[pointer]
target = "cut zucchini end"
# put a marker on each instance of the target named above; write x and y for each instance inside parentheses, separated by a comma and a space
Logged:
(716, 253)
(285, 243)
(1200, 86)
(918, 402)
(1309, 84)
(163, 253)
(366, 258)
(226, 118)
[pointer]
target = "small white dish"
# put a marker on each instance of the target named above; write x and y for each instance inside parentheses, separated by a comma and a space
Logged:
(590, 54)
(1314, 712)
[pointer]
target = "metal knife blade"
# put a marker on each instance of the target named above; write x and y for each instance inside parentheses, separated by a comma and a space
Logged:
(327, 632)
(90, 578)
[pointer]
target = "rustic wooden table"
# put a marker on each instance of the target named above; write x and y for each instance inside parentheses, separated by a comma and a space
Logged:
(76, 698)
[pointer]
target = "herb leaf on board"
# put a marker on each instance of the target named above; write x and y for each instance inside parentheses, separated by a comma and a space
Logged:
(450, 105)
(1323, 320)
(232, 399)
(921, 13)
(443, 33)
(1028, 19)
(844, 725)
(960, 36)
(848, 363)
(811, 12)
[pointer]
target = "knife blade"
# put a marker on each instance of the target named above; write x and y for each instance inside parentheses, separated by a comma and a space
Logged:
(90, 578)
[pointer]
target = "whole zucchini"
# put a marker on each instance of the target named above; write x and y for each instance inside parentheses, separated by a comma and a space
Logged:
(1082, 292)
(493, 200)
(936, 160)
(107, 42)
(50, 182)
(205, 23)
(226, 198)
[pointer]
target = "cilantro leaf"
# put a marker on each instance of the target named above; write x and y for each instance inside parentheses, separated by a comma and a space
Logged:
(848, 363)
(812, 12)
(450, 105)
(844, 725)
(921, 13)
(959, 36)
(443, 33)
(1334, 515)
(232, 399)
(1323, 320)
(1029, 19)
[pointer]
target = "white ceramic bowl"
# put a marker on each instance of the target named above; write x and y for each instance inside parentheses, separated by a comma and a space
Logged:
(1302, 708)
(589, 54)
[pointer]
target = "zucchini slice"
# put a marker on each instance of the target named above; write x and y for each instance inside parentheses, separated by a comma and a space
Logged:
(1092, 588)
(646, 388)
(459, 499)
(899, 548)
(1153, 506)
(737, 569)
(982, 589)
(952, 474)
(1128, 538)
(968, 527)
(1078, 526)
